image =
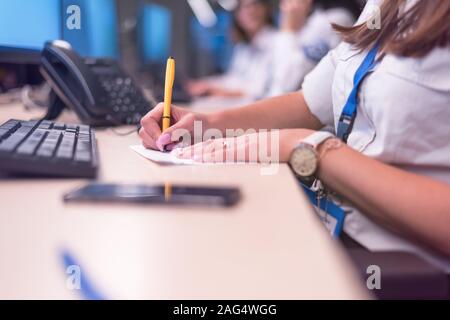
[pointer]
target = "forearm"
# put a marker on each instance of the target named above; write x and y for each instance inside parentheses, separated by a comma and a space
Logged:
(227, 93)
(413, 205)
(284, 112)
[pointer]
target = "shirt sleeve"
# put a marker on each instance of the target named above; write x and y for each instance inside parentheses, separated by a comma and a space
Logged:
(318, 85)
(317, 89)
(296, 54)
(289, 64)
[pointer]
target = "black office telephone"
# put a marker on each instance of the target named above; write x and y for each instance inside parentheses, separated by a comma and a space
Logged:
(98, 90)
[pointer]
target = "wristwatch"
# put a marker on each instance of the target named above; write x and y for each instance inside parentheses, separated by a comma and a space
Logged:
(305, 159)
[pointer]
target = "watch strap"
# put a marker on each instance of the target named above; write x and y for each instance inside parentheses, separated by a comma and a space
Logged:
(318, 138)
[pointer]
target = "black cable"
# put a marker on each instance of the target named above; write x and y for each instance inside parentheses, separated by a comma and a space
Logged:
(119, 123)
(123, 134)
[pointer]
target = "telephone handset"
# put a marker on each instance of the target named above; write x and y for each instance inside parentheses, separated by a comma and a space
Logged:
(98, 90)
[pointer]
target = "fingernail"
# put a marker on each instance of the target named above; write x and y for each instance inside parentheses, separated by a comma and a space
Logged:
(163, 140)
(171, 147)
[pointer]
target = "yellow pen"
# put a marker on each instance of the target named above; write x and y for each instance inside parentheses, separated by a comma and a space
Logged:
(167, 191)
(170, 78)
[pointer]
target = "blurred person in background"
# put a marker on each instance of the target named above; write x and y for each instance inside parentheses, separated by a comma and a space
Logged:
(253, 33)
(306, 36)
(265, 59)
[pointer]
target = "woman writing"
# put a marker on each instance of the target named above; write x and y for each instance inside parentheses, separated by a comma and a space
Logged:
(386, 93)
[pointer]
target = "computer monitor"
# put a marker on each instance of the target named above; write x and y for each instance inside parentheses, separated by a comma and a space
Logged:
(212, 44)
(154, 33)
(99, 31)
(25, 26)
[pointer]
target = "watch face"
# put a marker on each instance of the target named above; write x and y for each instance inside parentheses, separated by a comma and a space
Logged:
(304, 161)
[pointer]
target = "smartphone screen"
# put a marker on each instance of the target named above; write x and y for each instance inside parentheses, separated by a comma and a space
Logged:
(176, 195)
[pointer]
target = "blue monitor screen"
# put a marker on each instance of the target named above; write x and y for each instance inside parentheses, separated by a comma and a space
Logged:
(98, 32)
(155, 29)
(214, 42)
(28, 24)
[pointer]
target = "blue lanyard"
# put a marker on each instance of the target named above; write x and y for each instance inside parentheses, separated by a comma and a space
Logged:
(345, 126)
(348, 115)
(335, 212)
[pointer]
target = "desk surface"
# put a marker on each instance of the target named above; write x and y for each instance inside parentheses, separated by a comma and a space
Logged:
(270, 246)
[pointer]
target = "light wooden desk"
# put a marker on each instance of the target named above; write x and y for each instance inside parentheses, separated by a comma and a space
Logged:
(271, 246)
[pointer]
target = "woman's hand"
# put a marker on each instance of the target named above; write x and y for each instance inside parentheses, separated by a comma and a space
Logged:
(225, 93)
(263, 147)
(151, 134)
(203, 88)
(289, 111)
(198, 88)
(294, 14)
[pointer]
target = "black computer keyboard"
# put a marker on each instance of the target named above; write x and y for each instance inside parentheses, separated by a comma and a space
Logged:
(45, 148)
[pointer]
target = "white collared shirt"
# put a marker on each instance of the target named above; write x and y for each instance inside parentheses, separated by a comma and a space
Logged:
(403, 120)
(249, 65)
(295, 54)
(265, 67)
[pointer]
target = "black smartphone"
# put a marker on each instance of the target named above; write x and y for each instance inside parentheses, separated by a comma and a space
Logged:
(161, 194)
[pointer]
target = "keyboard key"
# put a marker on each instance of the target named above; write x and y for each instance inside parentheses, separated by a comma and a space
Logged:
(85, 129)
(45, 124)
(83, 157)
(72, 128)
(59, 126)
(64, 153)
(83, 145)
(32, 123)
(84, 136)
(3, 132)
(23, 131)
(11, 124)
(66, 146)
(47, 149)
(11, 143)
(30, 145)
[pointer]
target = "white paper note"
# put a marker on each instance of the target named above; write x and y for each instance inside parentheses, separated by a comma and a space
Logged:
(161, 157)
(168, 158)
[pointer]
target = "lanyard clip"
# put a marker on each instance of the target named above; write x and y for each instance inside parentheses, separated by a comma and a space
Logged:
(317, 186)
(345, 126)
(346, 119)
